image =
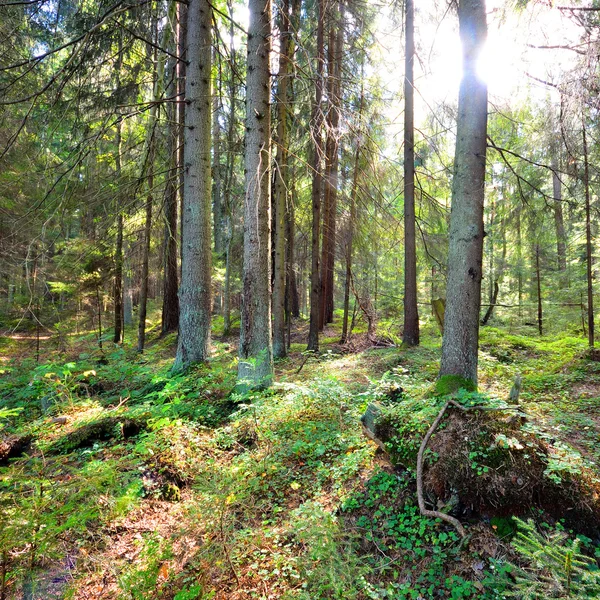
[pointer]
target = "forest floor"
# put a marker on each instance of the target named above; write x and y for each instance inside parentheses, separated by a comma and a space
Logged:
(118, 480)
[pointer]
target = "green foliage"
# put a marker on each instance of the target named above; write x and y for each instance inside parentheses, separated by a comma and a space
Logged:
(403, 426)
(330, 566)
(555, 566)
(7, 413)
(142, 580)
(388, 518)
(57, 498)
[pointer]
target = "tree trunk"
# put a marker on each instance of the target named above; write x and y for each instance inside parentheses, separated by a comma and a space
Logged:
(411, 312)
(228, 183)
(291, 287)
(465, 252)
(216, 173)
(559, 224)
(119, 281)
(317, 124)
(157, 94)
(170, 307)
(519, 261)
(281, 181)
(182, 12)
(127, 291)
(352, 218)
(118, 290)
(146, 260)
(255, 368)
(588, 239)
(195, 289)
(334, 51)
(498, 276)
(539, 290)
(227, 289)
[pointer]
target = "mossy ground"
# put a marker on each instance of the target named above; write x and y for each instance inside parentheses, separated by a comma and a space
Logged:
(273, 495)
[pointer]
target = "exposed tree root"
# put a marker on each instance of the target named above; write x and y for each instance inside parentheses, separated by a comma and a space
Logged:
(435, 513)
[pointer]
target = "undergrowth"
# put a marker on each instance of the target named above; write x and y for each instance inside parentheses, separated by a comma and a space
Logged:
(139, 484)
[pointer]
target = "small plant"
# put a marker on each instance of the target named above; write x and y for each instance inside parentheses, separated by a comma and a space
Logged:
(557, 568)
(144, 580)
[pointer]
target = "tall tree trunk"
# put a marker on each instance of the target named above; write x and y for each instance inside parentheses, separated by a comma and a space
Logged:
(182, 15)
(118, 295)
(316, 161)
(255, 368)
(519, 261)
(352, 218)
(411, 311)
(146, 258)
(157, 94)
(538, 278)
(228, 183)
(334, 51)
(349, 242)
(216, 173)
(491, 233)
(127, 290)
(559, 224)
(281, 181)
(227, 289)
(170, 307)
(588, 239)
(499, 272)
(119, 282)
(291, 288)
(195, 288)
(465, 252)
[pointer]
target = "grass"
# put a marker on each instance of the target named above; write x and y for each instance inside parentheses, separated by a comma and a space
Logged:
(273, 495)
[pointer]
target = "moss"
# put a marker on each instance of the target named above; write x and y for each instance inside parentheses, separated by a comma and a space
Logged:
(98, 431)
(449, 384)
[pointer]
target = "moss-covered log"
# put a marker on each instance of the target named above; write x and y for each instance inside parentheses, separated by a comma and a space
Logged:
(102, 430)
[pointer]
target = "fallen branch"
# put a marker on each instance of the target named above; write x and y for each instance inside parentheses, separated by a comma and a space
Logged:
(306, 357)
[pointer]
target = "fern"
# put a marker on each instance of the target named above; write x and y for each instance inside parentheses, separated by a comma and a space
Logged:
(557, 568)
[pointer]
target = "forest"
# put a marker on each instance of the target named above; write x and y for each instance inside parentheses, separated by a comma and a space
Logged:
(297, 299)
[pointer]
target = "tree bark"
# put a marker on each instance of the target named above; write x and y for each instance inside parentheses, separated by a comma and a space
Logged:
(281, 181)
(127, 291)
(182, 13)
(228, 183)
(216, 173)
(519, 260)
(499, 272)
(146, 259)
(118, 290)
(170, 307)
(255, 368)
(411, 313)
(119, 281)
(465, 252)
(559, 224)
(195, 289)
(317, 139)
(334, 52)
(538, 278)
(588, 239)
(352, 218)
(292, 308)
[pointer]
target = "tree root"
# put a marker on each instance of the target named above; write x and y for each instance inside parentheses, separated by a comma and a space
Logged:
(435, 513)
